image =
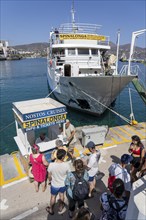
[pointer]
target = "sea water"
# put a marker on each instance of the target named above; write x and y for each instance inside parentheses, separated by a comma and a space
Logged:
(27, 79)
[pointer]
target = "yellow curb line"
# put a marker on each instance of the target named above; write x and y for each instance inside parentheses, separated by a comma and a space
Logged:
(119, 135)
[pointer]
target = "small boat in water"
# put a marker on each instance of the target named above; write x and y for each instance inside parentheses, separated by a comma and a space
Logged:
(81, 73)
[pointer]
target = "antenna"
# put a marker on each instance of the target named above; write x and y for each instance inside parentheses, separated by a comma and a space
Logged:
(73, 14)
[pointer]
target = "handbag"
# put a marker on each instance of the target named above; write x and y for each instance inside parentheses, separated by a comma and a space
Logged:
(30, 172)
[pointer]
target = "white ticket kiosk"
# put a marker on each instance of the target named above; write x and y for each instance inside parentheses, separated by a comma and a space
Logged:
(37, 114)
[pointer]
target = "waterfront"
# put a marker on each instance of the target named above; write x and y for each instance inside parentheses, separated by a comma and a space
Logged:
(26, 79)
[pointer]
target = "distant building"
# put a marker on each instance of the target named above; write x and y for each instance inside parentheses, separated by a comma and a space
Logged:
(8, 53)
(3, 49)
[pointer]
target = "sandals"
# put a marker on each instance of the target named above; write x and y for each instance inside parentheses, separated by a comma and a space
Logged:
(62, 208)
(48, 209)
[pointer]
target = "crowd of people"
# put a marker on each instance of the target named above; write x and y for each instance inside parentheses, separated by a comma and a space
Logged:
(75, 178)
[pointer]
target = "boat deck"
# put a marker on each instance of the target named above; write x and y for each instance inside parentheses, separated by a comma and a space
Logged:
(11, 168)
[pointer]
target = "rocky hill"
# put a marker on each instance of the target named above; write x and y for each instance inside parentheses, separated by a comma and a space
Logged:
(139, 53)
(34, 47)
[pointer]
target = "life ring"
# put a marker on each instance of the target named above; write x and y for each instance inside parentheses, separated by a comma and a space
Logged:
(50, 62)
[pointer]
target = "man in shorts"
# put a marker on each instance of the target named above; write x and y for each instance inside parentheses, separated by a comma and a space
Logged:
(57, 172)
(92, 165)
(70, 134)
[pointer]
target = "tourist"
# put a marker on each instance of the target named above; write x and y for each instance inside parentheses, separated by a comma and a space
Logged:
(92, 165)
(138, 153)
(143, 168)
(117, 170)
(74, 179)
(84, 214)
(70, 134)
(53, 132)
(114, 206)
(42, 138)
(57, 172)
(39, 164)
(59, 145)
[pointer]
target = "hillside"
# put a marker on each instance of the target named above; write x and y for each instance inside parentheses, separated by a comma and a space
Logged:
(35, 47)
(140, 53)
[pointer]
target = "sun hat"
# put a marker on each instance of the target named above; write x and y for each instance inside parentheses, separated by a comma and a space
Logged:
(126, 158)
(36, 147)
(90, 144)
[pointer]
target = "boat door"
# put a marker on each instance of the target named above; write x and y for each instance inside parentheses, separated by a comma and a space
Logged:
(67, 70)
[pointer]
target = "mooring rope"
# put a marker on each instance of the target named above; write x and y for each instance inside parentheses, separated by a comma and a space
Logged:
(14, 121)
(121, 116)
(52, 91)
(7, 126)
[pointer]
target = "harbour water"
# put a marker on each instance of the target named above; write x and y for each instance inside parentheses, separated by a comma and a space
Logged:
(26, 79)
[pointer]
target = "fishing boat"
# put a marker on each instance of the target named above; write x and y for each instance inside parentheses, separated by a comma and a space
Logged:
(81, 73)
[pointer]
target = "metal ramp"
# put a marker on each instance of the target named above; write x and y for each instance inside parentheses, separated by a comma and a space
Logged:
(140, 89)
(11, 168)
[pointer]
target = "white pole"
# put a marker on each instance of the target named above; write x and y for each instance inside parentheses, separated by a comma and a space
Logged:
(134, 35)
(118, 43)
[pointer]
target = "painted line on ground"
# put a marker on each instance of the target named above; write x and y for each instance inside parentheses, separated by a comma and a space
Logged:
(109, 147)
(124, 131)
(135, 131)
(15, 182)
(3, 205)
(25, 214)
(117, 133)
(18, 165)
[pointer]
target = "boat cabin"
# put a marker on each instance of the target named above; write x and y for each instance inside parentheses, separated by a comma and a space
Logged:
(37, 114)
(79, 54)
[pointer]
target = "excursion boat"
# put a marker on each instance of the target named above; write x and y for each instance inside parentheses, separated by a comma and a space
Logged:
(81, 73)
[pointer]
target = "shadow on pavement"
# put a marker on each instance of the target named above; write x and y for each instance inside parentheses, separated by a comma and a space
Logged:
(115, 159)
(92, 203)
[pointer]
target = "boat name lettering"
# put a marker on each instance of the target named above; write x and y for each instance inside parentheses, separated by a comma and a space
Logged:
(82, 37)
(41, 121)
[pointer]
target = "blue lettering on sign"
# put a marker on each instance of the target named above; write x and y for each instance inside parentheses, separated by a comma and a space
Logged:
(42, 114)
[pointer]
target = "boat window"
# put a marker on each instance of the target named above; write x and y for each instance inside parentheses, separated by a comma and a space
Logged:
(94, 51)
(71, 51)
(83, 51)
(58, 51)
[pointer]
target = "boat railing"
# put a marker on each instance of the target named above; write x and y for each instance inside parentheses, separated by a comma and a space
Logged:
(79, 28)
(134, 70)
(61, 59)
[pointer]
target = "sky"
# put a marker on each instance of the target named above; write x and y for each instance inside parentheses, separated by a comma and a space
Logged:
(30, 21)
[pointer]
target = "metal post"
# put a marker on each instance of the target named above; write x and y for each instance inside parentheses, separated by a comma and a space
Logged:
(118, 42)
(134, 35)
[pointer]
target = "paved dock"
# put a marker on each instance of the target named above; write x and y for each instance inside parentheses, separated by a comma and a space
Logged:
(20, 201)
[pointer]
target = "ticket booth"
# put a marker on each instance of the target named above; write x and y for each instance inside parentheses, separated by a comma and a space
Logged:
(37, 114)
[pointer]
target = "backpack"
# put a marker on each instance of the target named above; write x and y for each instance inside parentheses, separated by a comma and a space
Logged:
(111, 179)
(113, 213)
(81, 187)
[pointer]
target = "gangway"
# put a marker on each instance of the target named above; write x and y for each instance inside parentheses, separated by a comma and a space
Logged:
(140, 89)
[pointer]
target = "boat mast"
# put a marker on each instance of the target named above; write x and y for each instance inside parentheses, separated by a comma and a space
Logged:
(118, 43)
(73, 16)
(134, 35)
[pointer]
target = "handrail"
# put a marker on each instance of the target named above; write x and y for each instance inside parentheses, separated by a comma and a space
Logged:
(79, 27)
(134, 70)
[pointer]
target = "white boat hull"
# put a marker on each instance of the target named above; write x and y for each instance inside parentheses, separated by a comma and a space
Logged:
(89, 94)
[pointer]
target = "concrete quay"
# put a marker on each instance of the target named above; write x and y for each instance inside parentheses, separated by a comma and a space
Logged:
(20, 201)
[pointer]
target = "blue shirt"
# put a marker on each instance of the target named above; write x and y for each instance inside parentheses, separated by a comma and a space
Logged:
(70, 181)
